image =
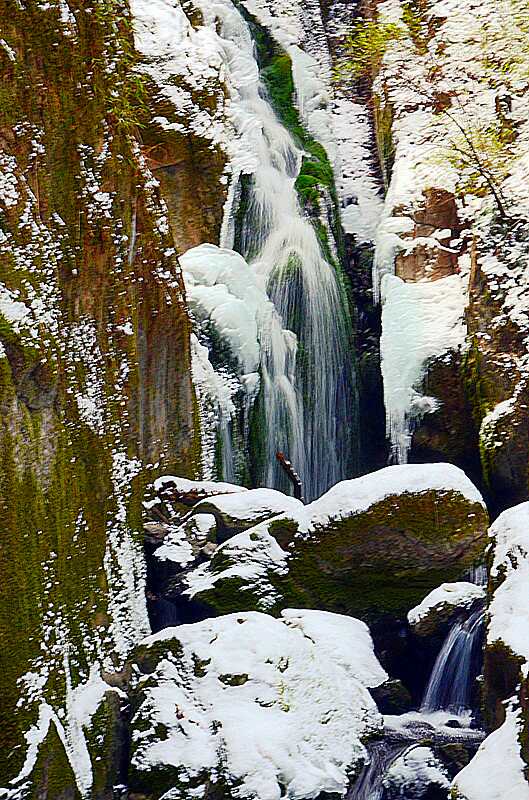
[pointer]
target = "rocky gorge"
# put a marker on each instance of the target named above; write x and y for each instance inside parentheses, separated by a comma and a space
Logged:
(264, 526)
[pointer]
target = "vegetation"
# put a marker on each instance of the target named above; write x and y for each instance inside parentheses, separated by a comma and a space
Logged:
(365, 47)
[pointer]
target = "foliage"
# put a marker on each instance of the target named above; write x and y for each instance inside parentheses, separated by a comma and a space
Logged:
(365, 46)
(482, 156)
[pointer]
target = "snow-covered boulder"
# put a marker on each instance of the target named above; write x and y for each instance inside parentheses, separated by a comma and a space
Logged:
(497, 770)
(417, 773)
(441, 605)
(238, 512)
(369, 547)
(249, 706)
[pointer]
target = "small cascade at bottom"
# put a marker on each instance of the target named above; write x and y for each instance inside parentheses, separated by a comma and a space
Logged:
(454, 671)
(444, 717)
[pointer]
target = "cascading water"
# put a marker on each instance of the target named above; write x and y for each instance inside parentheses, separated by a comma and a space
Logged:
(450, 684)
(449, 690)
(307, 396)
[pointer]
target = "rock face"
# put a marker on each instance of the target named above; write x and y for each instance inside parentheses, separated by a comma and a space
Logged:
(94, 384)
(442, 223)
(370, 547)
(504, 755)
(251, 706)
(186, 109)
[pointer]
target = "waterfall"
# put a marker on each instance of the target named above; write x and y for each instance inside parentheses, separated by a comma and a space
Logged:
(450, 684)
(307, 395)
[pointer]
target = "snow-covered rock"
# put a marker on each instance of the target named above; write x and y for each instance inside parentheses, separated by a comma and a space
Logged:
(497, 770)
(253, 706)
(509, 605)
(201, 488)
(369, 546)
(415, 774)
(440, 605)
(237, 512)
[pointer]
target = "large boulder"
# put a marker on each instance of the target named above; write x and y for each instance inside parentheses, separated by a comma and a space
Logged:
(371, 547)
(249, 706)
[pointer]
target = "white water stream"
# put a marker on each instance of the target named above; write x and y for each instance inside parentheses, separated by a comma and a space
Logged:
(309, 406)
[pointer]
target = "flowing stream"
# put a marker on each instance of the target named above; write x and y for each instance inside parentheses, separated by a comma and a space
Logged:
(308, 395)
(449, 690)
(450, 684)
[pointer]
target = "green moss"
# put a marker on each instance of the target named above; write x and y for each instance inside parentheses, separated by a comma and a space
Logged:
(383, 117)
(373, 564)
(58, 497)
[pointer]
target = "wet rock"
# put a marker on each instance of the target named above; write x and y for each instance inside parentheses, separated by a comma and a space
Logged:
(392, 697)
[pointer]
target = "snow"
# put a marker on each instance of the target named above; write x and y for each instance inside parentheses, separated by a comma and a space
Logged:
(497, 770)
(420, 321)
(215, 392)
(254, 555)
(253, 505)
(359, 494)
(489, 435)
(182, 542)
(476, 53)
(71, 723)
(249, 556)
(413, 773)
(184, 485)
(224, 289)
(291, 710)
(459, 595)
(509, 607)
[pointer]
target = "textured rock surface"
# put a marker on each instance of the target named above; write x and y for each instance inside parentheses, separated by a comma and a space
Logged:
(369, 547)
(250, 706)
(94, 383)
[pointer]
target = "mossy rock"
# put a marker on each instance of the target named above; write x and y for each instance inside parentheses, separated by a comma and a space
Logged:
(372, 564)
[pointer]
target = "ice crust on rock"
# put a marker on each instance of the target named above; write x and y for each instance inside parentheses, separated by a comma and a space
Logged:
(290, 695)
(419, 321)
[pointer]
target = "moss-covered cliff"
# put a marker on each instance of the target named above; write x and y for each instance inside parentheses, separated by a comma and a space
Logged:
(95, 391)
